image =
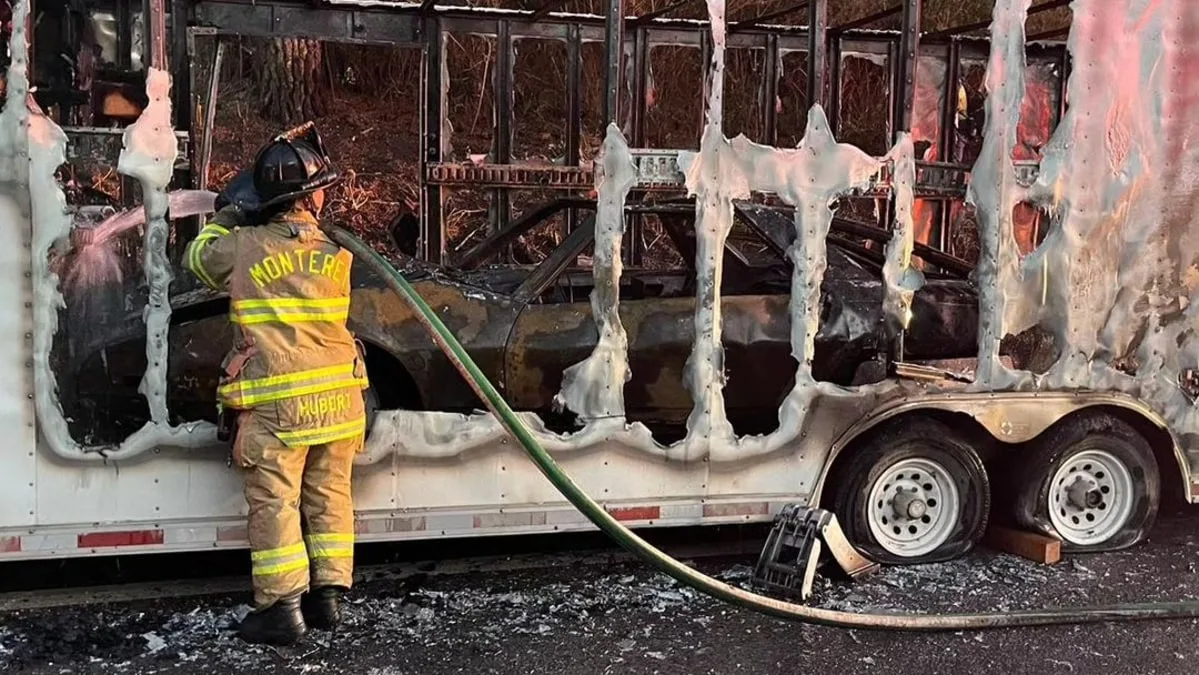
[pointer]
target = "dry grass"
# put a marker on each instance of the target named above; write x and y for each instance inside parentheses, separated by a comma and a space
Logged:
(372, 131)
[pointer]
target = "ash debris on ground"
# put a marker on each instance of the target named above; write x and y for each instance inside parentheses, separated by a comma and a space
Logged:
(480, 611)
(7, 642)
(625, 618)
(119, 637)
(1004, 581)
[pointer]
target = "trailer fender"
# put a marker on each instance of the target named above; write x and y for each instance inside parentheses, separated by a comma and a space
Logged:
(1016, 417)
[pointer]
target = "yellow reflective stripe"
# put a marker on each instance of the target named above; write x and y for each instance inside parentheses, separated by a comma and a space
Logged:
(212, 231)
(281, 568)
(257, 303)
(330, 545)
(280, 383)
(288, 378)
(276, 387)
(193, 262)
(288, 317)
(276, 306)
(292, 392)
(333, 432)
(279, 560)
(289, 310)
(277, 553)
(266, 389)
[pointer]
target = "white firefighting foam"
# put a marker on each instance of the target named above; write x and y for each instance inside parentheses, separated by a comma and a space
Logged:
(149, 156)
(713, 183)
(440, 435)
(993, 190)
(1116, 280)
(901, 279)
(45, 144)
(809, 177)
(1106, 291)
(594, 388)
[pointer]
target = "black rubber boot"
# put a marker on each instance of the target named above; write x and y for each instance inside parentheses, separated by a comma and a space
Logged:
(280, 624)
(322, 607)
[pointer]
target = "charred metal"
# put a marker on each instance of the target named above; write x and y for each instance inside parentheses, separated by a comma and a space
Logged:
(528, 324)
(426, 27)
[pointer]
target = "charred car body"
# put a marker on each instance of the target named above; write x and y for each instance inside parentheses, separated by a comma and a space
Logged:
(526, 325)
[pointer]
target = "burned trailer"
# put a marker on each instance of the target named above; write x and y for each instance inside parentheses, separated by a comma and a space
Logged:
(922, 397)
(525, 326)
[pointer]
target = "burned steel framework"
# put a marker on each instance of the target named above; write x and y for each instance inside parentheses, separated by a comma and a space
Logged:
(627, 42)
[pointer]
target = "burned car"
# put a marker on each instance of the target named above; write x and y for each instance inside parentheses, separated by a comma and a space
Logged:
(525, 325)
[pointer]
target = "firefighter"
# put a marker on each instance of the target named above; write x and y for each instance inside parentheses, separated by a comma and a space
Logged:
(293, 382)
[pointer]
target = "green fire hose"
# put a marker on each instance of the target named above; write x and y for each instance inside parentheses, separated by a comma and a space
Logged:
(701, 582)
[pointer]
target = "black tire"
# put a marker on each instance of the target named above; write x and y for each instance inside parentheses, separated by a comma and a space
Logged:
(932, 441)
(1095, 431)
(370, 399)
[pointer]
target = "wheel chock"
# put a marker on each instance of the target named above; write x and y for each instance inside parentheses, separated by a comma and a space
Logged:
(791, 554)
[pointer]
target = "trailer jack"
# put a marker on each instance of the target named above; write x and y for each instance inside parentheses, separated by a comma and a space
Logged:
(790, 557)
(703, 583)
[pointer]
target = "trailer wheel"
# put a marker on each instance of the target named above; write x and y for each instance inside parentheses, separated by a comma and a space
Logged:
(917, 493)
(1092, 481)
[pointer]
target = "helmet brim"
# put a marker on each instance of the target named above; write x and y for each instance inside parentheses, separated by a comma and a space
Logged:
(322, 182)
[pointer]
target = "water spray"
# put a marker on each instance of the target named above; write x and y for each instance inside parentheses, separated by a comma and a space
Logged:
(94, 259)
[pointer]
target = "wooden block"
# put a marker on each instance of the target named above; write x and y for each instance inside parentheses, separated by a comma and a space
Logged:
(1031, 545)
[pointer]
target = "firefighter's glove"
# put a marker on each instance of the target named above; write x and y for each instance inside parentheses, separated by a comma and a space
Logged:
(239, 194)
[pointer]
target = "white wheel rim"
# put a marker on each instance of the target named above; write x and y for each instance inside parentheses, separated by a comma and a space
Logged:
(914, 507)
(1090, 497)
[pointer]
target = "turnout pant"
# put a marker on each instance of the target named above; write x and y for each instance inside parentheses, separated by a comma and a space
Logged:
(301, 514)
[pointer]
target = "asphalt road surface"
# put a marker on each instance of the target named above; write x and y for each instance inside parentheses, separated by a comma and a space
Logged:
(570, 618)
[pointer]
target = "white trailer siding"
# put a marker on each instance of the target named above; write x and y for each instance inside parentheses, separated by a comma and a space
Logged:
(431, 475)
